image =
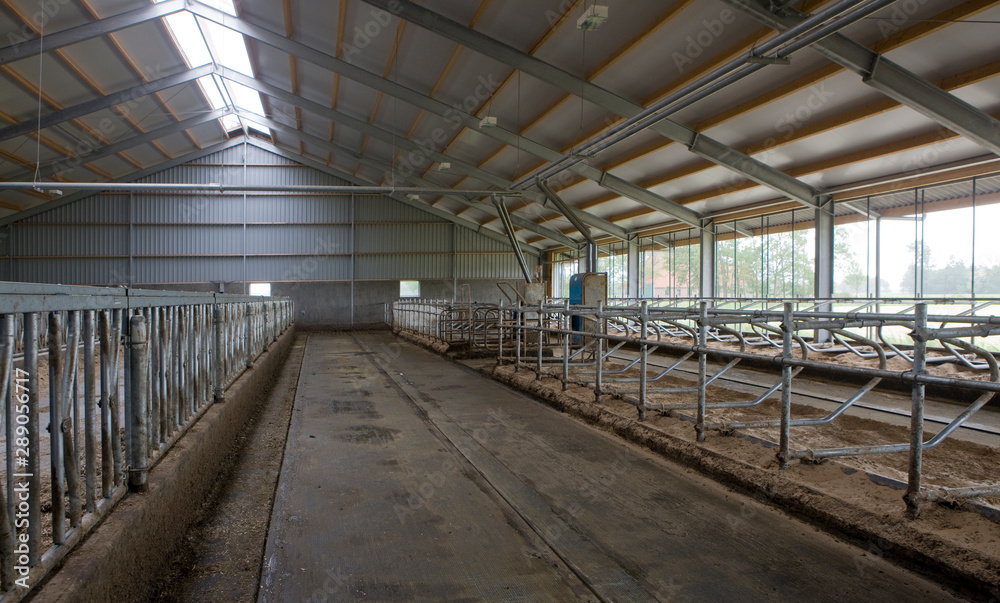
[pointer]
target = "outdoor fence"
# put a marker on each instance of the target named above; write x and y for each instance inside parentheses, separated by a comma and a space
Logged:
(98, 384)
(576, 345)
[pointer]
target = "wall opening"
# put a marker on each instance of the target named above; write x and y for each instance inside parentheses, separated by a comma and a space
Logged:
(261, 289)
(409, 288)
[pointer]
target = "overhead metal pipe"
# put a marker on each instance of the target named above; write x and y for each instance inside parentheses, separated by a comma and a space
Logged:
(58, 187)
(813, 29)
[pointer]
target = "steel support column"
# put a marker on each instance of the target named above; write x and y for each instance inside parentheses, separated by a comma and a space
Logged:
(824, 248)
(707, 248)
(633, 267)
(509, 229)
(824, 257)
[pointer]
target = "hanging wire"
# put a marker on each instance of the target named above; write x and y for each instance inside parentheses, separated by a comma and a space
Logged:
(517, 161)
(38, 129)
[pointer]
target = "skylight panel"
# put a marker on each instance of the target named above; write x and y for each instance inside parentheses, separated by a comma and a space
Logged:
(202, 42)
(246, 98)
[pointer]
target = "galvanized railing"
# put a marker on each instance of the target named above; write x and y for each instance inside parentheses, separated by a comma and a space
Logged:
(128, 372)
(577, 345)
(457, 324)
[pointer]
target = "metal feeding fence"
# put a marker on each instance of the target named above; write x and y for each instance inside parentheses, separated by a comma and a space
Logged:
(587, 346)
(111, 377)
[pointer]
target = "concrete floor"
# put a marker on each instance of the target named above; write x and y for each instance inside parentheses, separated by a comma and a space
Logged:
(407, 477)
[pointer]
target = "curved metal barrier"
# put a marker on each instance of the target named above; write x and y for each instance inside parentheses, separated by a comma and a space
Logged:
(118, 376)
(792, 337)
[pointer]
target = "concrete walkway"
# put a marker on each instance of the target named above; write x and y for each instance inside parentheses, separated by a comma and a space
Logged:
(407, 477)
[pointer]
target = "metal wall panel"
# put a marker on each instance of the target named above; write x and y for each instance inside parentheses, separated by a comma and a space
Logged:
(304, 209)
(188, 240)
(402, 238)
(467, 240)
(403, 267)
(298, 268)
(492, 266)
(188, 209)
(299, 239)
(102, 208)
(289, 237)
(301, 175)
(66, 240)
(73, 271)
(188, 270)
(374, 208)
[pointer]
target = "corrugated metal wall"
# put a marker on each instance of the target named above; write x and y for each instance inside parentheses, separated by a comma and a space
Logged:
(160, 238)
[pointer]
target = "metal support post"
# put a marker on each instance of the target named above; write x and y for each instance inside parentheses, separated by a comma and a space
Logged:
(824, 258)
(139, 403)
(564, 325)
(500, 330)
(518, 328)
(787, 326)
(55, 421)
(919, 336)
(634, 260)
(538, 374)
(217, 355)
(644, 358)
(702, 368)
(599, 377)
(248, 338)
(707, 251)
(71, 468)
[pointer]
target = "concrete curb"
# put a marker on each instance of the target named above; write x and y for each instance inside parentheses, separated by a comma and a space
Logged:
(122, 558)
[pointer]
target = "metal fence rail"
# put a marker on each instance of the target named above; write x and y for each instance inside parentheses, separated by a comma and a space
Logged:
(791, 337)
(124, 373)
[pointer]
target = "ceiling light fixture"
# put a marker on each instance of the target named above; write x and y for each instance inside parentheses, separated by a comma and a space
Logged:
(593, 17)
(490, 121)
(444, 166)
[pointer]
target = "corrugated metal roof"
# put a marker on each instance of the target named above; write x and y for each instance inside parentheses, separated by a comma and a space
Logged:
(823, 126)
